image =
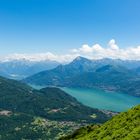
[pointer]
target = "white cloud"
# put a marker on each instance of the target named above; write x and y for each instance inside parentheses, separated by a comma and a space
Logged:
(40, 57)
(92, 52)
(113, 44)
(112, 51)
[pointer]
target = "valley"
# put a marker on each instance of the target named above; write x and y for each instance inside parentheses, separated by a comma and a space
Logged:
(48, 113)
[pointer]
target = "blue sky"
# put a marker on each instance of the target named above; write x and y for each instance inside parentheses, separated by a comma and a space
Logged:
(36, 26)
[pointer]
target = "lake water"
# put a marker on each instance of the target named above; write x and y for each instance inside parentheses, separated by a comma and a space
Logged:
(102, 99)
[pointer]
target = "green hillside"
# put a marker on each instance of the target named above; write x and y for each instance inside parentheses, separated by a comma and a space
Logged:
(41, 114)
(51, 103)
(125, 126)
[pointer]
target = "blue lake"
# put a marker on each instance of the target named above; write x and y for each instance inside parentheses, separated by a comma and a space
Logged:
(102, 99)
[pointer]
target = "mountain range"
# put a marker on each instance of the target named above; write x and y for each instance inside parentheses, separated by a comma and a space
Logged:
(107, 74)
(22, 68)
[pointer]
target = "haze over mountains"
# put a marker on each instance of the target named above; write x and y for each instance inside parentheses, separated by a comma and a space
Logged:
(107, 74)
(22, 68)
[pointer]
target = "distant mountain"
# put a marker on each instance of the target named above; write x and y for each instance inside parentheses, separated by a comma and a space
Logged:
(19, 69)
(41, 110)
(125, 126)
(112, 68)
(110, 78)
(62, 73)
(137, 70)
(22, 68)
(129, 64)
(3, 74)
(81, 72)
